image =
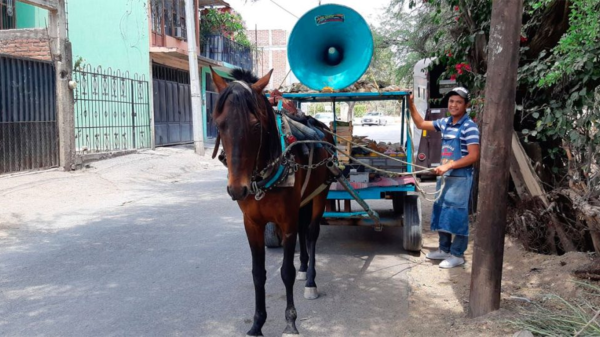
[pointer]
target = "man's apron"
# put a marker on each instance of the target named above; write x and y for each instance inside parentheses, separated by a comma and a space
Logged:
(451, 211)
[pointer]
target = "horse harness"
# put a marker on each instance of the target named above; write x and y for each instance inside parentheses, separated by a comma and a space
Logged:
(281, 171)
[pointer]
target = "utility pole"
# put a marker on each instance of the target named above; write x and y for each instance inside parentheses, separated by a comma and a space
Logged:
(197, 121)
(500, 92)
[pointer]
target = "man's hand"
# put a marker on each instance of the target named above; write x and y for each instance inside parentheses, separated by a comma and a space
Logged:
(411, 100)
(440, 170)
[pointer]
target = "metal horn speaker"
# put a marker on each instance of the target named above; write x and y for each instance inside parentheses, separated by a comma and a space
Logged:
(330, 46)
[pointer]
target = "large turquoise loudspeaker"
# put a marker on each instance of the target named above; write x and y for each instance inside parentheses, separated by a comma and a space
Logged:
(330, 46)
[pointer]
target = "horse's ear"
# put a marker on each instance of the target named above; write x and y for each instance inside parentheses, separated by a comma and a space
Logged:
(262, 83)
(218, 80)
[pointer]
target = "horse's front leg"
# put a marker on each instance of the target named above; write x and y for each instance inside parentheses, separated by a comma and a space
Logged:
(305, 214)
(256, 238)
(288, 275)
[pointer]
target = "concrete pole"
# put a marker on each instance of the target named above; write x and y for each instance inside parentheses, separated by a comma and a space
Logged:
(500, 95)
(65, 102)
(197, 121)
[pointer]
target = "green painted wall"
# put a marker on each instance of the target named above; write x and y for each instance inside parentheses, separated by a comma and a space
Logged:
(111, 33)
(108, 33)
(31, 17)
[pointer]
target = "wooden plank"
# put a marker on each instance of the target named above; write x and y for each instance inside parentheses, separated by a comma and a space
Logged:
(523, 173)
(500, 88)
(51, 5)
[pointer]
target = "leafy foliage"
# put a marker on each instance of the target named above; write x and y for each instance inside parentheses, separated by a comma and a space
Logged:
(230, 24)
(559, 70)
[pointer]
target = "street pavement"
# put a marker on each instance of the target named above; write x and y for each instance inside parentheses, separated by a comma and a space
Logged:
(150, 244)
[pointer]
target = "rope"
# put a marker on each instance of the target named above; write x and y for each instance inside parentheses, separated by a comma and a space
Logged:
(285, 78)
(413, 174)
(378, 153)
(389, 173)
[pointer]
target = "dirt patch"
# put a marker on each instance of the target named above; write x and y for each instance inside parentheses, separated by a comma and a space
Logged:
(439, 298)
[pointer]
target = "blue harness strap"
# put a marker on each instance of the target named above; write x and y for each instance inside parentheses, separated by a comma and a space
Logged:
(281, 168)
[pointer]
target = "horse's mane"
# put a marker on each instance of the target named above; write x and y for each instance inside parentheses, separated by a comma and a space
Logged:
(244, 75)
(242, 102)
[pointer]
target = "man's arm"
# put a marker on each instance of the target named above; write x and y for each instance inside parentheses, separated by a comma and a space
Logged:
(419, 122)
(465, 161)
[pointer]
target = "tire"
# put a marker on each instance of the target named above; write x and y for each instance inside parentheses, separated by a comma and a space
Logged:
(272, 236)
(398, 202)
(412, 227)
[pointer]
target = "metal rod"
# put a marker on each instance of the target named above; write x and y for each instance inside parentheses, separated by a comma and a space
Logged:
(402, 131)
(132, 115)
(344, 182)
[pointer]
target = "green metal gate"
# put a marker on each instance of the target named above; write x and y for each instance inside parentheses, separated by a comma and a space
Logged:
(112, 111)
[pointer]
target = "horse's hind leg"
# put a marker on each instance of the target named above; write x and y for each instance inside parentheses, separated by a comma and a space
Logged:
(288, 275)
(303, 222)
(314, 228)
(256, 239)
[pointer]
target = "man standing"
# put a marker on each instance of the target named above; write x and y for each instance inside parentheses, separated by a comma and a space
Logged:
(460, 150)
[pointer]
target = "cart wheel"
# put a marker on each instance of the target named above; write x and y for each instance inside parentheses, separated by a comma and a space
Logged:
(272, 236)
(412, 232)
(398, 202)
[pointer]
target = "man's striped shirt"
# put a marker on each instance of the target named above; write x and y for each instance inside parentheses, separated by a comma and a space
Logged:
(468, 136)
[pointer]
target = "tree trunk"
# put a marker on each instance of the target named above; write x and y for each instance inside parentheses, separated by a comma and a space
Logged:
(351, 111)
(554, 24)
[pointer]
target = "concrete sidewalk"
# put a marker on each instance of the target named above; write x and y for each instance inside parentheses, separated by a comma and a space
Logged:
(54, 200)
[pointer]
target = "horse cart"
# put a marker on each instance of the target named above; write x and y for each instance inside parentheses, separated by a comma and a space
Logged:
(369, 175)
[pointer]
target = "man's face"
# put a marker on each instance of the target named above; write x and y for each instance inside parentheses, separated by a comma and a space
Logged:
(457, 105)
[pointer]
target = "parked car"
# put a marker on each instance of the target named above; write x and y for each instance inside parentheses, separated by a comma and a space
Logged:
(373, 118)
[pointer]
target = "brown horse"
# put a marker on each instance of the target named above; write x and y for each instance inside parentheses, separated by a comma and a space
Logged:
(248, 131)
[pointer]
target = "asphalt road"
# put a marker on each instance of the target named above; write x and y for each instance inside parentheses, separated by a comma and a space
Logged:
(150, 245)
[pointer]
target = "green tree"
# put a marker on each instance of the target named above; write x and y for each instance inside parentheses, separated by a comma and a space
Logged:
(229, 24)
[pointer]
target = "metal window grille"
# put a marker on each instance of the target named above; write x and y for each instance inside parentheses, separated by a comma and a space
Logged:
(221, 48)
(168, 18)
(160, 72)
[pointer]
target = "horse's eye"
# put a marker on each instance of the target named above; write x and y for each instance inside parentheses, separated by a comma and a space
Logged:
(256, 127)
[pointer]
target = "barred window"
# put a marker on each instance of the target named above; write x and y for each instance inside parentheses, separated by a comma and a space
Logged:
(8, 14)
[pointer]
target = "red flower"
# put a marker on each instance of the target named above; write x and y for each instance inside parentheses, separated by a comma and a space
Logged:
(462, 66)
(460, 71)
(456, 19)
(449, 54)
(523, 39)
(453, 77)
(456, 8)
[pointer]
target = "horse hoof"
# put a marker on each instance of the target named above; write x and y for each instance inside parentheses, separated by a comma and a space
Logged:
(311, 293)
(301, 276)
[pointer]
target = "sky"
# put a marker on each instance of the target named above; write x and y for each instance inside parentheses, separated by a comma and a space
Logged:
(267, 15)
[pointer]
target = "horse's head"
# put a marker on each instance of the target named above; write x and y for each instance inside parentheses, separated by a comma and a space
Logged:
(242, 118)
